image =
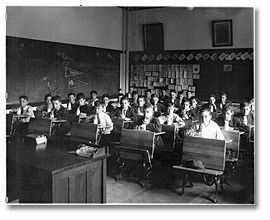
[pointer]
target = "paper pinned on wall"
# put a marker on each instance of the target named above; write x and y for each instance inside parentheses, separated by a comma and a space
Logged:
(196, 68)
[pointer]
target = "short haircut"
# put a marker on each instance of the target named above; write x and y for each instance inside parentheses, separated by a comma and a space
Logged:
(212, 95)
(124, 98)
(119, 89)
(134, 93)
(56, 98)
(120, 94)
(185, 99)
(24, 97)
(98, 103)
(223, 93)
(93, 92)
(141, 97)
(148, 90)
(251, 100)
(164, 89)
(244, 104)
(80, 96)
(194, 97)
(228, 107)
(169, 105)
(205, 109)
(172, 90)
(147, 105)
(46, 96)
(180, 92)
(105, 96)
(71, 93)
(154, 96)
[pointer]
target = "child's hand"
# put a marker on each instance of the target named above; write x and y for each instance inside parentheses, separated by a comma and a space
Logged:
(142, 127)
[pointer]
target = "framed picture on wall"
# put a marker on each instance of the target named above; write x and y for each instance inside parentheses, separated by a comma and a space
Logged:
(222, 33)
(153, 37)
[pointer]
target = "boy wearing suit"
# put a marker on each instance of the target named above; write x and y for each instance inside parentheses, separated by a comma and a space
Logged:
(60, 113)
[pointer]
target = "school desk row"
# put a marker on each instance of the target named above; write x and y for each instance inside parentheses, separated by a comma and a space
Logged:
(69, 183)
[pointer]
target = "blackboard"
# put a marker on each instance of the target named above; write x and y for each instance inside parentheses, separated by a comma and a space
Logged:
(237, 80)
(35, 68)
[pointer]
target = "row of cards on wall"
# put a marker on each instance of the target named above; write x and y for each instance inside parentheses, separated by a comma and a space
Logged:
(197, 57)
(155, 77)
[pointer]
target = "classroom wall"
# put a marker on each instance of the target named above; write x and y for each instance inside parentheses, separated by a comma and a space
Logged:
(89, 26)
(188, 30)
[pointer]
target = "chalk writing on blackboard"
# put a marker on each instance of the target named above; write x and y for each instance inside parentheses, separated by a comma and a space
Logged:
(71, 72)
(51, 91)
(64, 56)
(74, 83)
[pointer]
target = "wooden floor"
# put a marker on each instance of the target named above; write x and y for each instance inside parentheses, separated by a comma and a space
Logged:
(167, 184)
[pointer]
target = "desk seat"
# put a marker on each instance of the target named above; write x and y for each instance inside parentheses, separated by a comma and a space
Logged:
(202, 171)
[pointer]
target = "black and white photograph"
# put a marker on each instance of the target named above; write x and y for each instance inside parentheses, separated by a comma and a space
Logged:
(130, 105)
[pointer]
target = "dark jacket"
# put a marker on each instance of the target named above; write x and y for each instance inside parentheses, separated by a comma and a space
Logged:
(160, 109)
(235, 123)
(154, 124)
(208, 105)
(86, 109)
(110, 109)
(163, 99)
(74, 107)
(129, 114)
(221, 107)
(60, 114)
(195, 112)
(250, 117)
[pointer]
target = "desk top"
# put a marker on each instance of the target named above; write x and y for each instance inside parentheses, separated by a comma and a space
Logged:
(21, 116)
(58, 121)
(49, 157)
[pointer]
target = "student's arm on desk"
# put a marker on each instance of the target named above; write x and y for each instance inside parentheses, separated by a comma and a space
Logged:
(155, 126)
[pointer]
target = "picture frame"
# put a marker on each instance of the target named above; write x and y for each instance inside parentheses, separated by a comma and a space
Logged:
(153, 37)
(222, 33)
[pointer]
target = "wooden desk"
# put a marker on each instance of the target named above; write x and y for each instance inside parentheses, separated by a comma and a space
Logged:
(51, 175)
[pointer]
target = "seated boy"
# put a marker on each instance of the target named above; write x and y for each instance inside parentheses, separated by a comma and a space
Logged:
(252, 105)
(134, 99)
(174, 100)
(117, 104)
(72, 105)
(229, 122)
(211, 104)
(20, 124)
(47, 106)
(170, 117)
(84, 110)
(139, 108)
(150, 123)
(184, 111)
(245, 115)
(60, 113)
(105, 121)
(148, 95)
(163, 98)
(194, 108)
(157, 106)
(93, 98)
(223, 101)
(125, 111)
(107, 106)
(206, 127)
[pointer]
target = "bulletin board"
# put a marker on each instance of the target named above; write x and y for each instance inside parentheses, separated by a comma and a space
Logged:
(203, 72)
(35, 68)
